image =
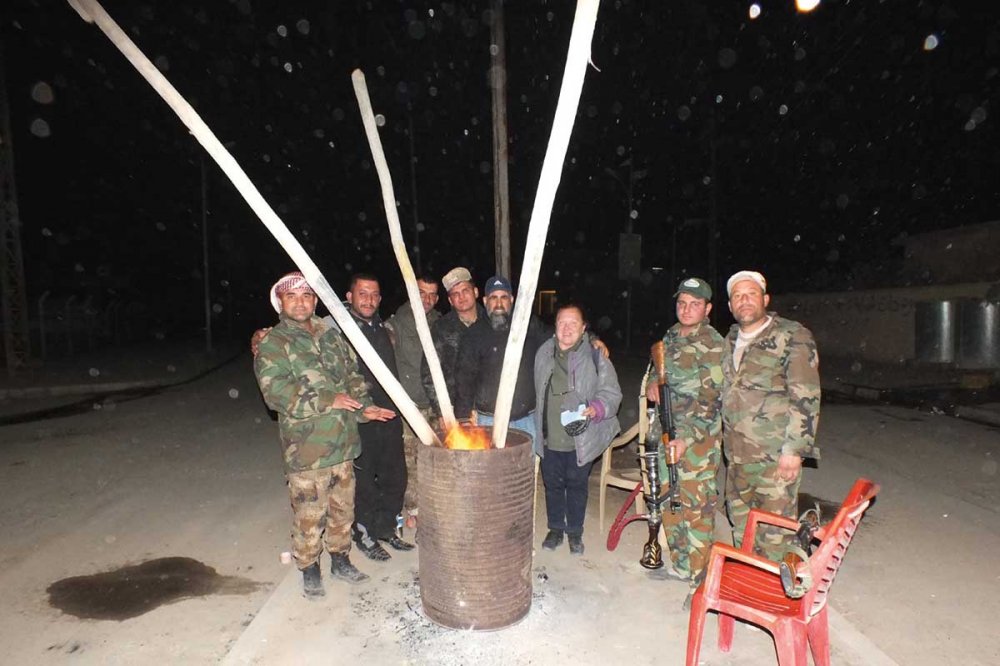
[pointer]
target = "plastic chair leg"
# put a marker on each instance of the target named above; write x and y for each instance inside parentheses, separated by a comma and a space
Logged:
(726, 626)
(819, 638)
(696, 627)
(790, 644)
(600, 513)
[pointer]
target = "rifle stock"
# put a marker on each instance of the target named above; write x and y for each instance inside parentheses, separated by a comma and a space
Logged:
(788, 568)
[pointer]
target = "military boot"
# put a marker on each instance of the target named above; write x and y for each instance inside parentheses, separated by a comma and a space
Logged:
(341, 567)
(312, 582)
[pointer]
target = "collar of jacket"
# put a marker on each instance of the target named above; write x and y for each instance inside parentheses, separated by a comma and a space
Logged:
(374, 322)
(734, 330)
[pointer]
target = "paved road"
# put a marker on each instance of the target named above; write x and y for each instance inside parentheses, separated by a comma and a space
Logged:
(194, 472)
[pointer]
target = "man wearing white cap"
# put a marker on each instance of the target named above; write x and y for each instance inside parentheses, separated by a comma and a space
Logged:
(770, 410)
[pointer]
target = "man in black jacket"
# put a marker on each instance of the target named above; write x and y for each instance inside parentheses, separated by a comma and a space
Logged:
(447, 331)
(480, 361)
(381, 470)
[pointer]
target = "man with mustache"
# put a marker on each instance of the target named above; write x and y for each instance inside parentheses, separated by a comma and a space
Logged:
(770, 410)
(308, 374)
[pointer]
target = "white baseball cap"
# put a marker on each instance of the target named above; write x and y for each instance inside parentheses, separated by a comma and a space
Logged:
(746, 275)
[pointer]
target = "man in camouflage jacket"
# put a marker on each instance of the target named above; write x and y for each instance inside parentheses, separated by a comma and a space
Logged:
(309, 375)
(770, 410)
(694, 377)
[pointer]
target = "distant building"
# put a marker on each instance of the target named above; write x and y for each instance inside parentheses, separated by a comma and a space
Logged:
(951, 256)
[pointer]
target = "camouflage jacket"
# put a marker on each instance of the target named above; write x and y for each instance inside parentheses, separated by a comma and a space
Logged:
(299, 375)
(770, 406)
(409, 351)
(694, 375)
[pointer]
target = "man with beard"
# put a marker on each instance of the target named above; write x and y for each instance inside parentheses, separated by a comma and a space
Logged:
(381, 469)
(770, 410)
(480, 361)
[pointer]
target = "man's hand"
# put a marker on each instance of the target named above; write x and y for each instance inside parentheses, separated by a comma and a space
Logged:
(473, 418)
(255, 340)
(652, 393)
(789, 466)
(374, 413)
(679, 446)
(589, 412)
(344, 401)
(601, 347)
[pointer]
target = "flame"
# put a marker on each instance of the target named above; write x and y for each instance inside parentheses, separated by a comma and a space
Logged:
(468, 439)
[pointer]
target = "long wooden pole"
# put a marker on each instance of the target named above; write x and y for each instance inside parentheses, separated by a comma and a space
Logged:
(92, 12)
(498, 95)
(399, 247)
(555, 154)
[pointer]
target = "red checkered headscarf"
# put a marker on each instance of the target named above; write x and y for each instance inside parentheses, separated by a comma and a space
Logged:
(288, 282)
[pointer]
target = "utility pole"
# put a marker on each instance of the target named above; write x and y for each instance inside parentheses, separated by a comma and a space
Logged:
(498, 90)
(17, 344)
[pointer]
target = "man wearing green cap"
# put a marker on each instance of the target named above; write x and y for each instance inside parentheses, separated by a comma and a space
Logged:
(694, 376)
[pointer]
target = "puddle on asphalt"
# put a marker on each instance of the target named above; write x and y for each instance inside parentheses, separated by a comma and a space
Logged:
(136, 589)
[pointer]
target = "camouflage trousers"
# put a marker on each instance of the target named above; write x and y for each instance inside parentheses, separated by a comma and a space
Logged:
(411, 444)
(322, 510)
(689, 532)
(757, 486)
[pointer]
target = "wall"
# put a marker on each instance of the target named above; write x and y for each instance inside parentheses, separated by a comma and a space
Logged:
(874, 324)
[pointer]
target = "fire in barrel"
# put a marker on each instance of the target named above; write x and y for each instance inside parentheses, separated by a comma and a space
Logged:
(476, 517)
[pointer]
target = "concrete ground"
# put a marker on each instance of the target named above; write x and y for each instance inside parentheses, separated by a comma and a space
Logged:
(193, 471)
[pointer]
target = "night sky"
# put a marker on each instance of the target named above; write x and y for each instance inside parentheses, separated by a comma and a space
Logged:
(818, 140)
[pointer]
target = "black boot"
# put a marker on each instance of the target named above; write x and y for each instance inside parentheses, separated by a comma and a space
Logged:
(341, 567)
(399, 544)
(312, 582)
(575, 544)
(552, 539)
(372, 549)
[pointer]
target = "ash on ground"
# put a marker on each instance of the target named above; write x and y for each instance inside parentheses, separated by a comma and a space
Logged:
(401, 615)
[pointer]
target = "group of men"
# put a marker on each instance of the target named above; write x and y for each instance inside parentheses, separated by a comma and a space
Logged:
(351, 463)
(758, 390)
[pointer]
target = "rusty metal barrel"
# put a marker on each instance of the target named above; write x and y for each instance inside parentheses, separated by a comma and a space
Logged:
(475, 533)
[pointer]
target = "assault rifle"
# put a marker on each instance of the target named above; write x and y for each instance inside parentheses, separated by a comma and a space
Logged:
(652, 553)
(665, 411)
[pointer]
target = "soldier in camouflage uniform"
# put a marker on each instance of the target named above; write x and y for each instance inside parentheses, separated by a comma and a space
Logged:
(402, 328)
(309, 375)
(694, 376)
(770, 410)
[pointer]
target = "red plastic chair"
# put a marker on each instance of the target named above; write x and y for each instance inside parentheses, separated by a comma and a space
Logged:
(739, 584)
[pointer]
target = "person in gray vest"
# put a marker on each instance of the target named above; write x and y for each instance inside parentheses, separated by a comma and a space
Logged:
(576, 405)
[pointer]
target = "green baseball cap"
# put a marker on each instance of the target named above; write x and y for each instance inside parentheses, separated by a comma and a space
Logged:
(696, 287)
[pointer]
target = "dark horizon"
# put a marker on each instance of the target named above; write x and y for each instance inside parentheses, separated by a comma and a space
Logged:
(819, 140)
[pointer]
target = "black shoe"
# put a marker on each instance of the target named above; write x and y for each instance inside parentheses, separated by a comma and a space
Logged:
(341, 567)
(552, 539)
(312, 582)
(398, 544)
(372, 549)
(575, 544)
